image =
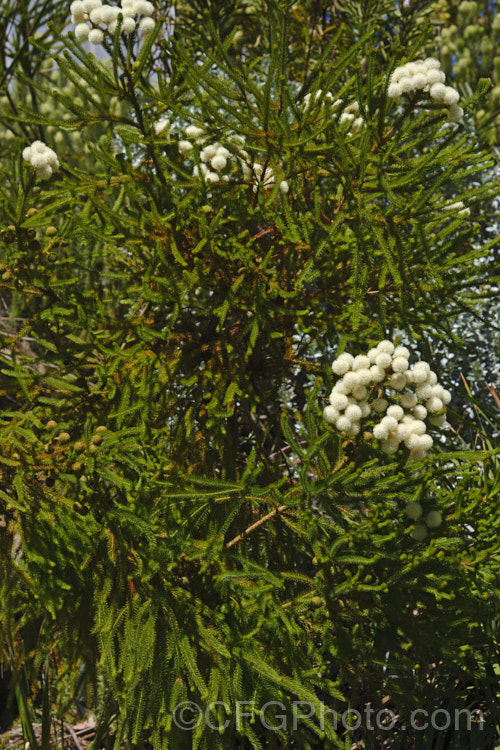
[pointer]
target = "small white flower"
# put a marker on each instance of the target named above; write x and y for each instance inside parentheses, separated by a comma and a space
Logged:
(82, 32)
(380, 431)
(184, 147)
(398, 381)
(331, 414)
(96, 36)
(128, 25)
(386, 346)
(284, 186)
(395, 411)
(395, 90)
(377, 373)
(360, 362)
(218, 162)
(343, 424)
(438, 92)
(353, 412)
(146, 25)
(342, 364)
(389, 423)
(193, 131)
(352, 380)
(390, 445)
(419, 412)
(338, 400)
(360, 393)
(433, 404)
(383, 360)
(399, 364)
(163, 126)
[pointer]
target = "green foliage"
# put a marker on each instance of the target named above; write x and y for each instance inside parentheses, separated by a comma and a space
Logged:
(175, 513)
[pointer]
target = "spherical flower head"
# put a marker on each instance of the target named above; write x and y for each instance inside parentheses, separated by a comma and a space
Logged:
(445, 396)
(438, 92)
(434, 519)
(338, 400)
(284, 187)
(82, 32)
(419, 532)
(451, 96)
(401, 351)
(395, 90)
(419, 412)
(406, 85)
(218, 162)
(389, 423)
(372, 355)
(342, 364)
(144, 7)
(45, 172)
(383, 360)
(414, 510)
(418, 427)
(360, 362)
(353, 413)
(146, 25)
(399, 364)
(420, 372)
(27, 153)
(96, 36)
(403, 431)
(340, 387)
(89, 5)
(354, 429)
(431, 63)
(331, 414)
(424, 391)
(77, 7)
(96, 16)
(351, 380)
(128, 25)
(386, 346)
(163, 126)
(193, 131)
(396, 412)
(39, 160)
(377, 374)
(343, 424)
(434, 76)
(433, 404)
(184, 147)
(380, 405)
(425, 443)
(212, 177)
(380, 431)
(419, 81)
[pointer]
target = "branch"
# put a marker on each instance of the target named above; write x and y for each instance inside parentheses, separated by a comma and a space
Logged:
(241, 537)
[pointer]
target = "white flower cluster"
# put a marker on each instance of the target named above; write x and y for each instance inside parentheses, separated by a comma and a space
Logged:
(215, 157)
(347, 120)
(89, 15)
(382, 385)
(432, 520)
(426, 76)
(42, 158)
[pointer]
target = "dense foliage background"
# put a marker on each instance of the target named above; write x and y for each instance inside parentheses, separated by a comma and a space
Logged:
(177, 520)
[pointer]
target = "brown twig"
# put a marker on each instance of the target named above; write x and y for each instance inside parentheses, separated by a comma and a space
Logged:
(241, 537)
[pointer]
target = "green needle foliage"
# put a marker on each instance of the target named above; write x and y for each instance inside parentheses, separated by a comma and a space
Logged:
(178, 523)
